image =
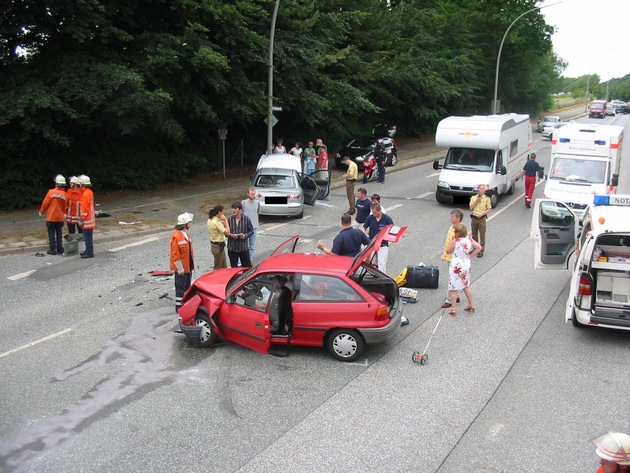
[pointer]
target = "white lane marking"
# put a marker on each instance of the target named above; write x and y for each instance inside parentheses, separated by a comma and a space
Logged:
(28, 345)
(280, 225)
(432, 175)
(137, 243)
(323, 204)
(518, 198)
(393, 207)
(422, 196)
(21, 275)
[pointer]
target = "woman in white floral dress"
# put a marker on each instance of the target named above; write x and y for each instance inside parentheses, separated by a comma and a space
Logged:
(463, 249)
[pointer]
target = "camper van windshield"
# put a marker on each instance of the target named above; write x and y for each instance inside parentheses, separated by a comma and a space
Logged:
(578, 170)
(469, 159)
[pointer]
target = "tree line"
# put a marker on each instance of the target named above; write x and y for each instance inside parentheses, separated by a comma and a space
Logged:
(132, 92)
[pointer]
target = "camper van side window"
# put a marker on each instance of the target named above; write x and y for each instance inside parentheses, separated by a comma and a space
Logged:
(513, 148)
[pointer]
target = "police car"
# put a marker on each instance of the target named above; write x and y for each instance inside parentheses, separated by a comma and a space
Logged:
(600, 282)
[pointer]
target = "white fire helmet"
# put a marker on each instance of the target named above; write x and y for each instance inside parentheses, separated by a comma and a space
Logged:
(75, 180)
(60, 180)
(184, 218)
(85, 180)
(614, 446)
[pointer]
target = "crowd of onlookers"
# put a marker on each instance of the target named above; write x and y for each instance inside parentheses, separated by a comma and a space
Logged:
(313, 157)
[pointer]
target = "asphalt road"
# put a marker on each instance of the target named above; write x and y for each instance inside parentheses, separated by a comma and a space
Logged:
(94, 379)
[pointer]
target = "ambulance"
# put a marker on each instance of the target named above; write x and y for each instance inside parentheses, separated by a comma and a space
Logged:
(490, 150)
(585, 160)
(599, 293)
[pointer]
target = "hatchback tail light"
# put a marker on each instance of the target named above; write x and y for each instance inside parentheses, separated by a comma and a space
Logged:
(382, 313)
(585, 285)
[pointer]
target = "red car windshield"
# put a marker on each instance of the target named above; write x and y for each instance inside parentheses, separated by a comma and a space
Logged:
(238, 278)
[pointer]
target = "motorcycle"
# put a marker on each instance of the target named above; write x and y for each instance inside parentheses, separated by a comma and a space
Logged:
(370, 170)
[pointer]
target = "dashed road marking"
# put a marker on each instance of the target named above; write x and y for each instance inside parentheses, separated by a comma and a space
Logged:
(393, 207)
(28, 345)
(432, 175)
(137, 243)
(21, 275)
(422, 196)
(280, 225)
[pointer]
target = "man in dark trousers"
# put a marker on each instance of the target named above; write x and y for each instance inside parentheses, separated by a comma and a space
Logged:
(530, 171)
(362, 206)
(349, 240)
(181, 256)
(379, 156)
(54, 206)
(241, 229)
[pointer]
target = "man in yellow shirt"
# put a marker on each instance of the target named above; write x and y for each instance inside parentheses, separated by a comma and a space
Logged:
(480, 205)
(218, 229)
(351, 177)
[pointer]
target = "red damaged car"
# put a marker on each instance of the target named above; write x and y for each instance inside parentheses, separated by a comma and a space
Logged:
(297, 299)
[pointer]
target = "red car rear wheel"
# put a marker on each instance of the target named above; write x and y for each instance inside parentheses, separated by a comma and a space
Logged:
(345, 344)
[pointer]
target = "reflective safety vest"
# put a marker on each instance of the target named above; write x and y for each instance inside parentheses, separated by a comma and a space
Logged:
(54, 205)
(181, 250)
(73, 210)
(87, 212)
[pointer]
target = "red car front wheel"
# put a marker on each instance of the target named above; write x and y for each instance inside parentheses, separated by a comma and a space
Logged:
(207, 336)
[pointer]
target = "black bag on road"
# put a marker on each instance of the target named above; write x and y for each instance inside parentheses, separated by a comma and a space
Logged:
(423, 277)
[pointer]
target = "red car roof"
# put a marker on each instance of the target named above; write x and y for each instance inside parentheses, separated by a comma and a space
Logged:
(306, 262)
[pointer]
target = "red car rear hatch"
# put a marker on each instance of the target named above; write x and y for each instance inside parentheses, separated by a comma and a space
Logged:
(388, 233)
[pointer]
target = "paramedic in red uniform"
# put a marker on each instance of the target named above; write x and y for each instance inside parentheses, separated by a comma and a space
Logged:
(530, 171)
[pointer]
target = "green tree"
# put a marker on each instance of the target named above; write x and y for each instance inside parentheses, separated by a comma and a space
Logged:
(132, 92)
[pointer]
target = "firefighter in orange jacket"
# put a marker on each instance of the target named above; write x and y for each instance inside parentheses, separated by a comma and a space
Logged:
(73, 210)
(182, 256)
(87, 216)
(54, 205)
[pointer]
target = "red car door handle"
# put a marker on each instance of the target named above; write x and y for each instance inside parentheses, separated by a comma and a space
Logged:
(258, 324)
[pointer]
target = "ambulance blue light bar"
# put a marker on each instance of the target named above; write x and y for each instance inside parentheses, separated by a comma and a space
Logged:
(603, 199)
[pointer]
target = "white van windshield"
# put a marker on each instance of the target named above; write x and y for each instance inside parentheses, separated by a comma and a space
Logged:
(469, 159)
(578, 170)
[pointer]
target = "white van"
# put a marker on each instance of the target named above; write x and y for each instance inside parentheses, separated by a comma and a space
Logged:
(490, 150)
(585, 160)
(599, 293)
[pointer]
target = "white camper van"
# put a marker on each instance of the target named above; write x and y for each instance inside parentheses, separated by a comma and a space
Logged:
(585, 160)
(490, 150)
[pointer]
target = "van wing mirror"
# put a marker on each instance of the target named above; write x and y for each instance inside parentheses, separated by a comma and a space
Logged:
(502, 171)
(436, 165)
(614, 182)
(541, 173)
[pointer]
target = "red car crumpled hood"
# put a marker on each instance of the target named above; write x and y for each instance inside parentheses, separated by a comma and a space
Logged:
(215, 282)
(209, 291)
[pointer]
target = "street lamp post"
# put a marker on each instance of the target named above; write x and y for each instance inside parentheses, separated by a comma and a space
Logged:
(495, 102)
(270, 84)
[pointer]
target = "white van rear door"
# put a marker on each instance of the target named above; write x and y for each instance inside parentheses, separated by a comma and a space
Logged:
(554, 230)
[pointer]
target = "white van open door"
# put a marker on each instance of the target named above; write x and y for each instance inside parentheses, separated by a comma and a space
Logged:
(554, 230)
